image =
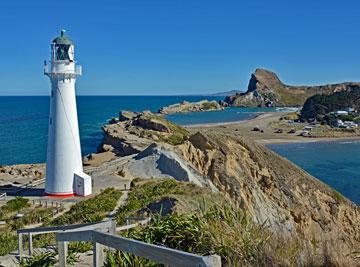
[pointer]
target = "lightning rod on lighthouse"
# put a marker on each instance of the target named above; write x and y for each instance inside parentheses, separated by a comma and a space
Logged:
(64, 169)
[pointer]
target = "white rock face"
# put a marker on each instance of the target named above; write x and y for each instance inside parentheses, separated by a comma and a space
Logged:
(160, 161)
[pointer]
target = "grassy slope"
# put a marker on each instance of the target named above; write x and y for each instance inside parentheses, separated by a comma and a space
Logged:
(89, 210)
(205, 223)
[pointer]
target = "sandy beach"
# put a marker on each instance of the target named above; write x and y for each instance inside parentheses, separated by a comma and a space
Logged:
(264, 121)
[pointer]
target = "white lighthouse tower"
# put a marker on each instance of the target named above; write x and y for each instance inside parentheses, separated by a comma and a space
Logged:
(64, 170)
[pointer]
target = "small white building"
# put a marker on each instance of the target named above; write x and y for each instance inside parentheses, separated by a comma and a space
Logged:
(307, 129)
(349, 109)
(350, 124)
(338, 123)
(341, 112)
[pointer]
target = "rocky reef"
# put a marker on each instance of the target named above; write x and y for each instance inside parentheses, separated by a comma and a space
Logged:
(266, 89)
(185, 106)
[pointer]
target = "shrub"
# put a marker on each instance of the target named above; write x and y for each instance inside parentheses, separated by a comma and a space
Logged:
(221, 229)
(80, 247)
(46, 259)
(90, 210)
(323, 104)
(8, 243)
(37, 216)
(144, 195)
(120, 258)
(16, 204)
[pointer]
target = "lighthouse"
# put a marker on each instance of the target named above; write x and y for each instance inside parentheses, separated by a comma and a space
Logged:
(64, 170)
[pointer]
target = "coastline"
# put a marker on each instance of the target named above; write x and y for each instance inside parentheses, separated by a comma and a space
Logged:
(308, 140)
(263, 120)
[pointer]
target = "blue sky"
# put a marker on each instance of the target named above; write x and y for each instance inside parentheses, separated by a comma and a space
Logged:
(133, 47)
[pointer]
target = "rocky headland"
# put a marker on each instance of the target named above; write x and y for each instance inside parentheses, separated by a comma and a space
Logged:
(295, 207)
(274, 191)
(266, 89)
(185, 106)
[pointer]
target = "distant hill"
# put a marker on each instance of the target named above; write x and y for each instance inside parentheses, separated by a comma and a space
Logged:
(319, 105)
(266, 89)
(227, 93)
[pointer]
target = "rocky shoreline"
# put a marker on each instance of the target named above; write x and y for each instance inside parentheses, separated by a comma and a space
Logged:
(226, 159)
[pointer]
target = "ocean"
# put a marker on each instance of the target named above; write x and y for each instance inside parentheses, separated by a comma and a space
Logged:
(24, 121)
(336, 163)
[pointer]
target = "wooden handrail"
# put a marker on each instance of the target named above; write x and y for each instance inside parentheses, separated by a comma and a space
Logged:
(104, 225)
(54, 229)
(102, 234)
(164, 255)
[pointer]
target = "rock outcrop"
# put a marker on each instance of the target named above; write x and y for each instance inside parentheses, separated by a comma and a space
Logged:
(134, 132)
(277, 193)
(185, 106)
(161, 161)
(292, 203)
(24, 170)
(266, 89)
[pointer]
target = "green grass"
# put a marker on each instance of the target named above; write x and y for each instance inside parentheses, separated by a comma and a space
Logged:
(217, 229)
(209, 106)
(17, 204)
(46, 259)
(13, 205)
(8, 238)
(178, 134)
(143, 195)
(175, 139)
(90, 210)
(8, 243)
(39, 215)
(338, 196)
(205, 223)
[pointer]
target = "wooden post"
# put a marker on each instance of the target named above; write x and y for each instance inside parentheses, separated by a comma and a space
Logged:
(62, 248)
(112, 229)
(98, 254)
(30, 245)
(213, 260)
(20, 245)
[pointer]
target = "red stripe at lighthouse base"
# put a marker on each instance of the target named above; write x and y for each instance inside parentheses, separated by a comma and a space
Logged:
(60, 195)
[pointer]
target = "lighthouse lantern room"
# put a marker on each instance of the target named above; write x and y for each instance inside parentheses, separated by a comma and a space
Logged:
(64, 170)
